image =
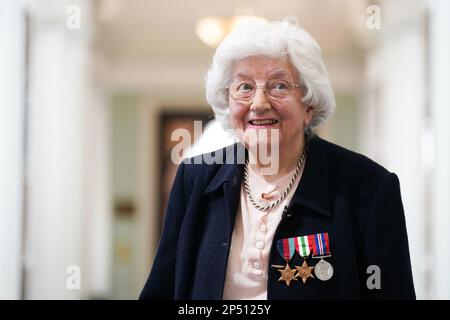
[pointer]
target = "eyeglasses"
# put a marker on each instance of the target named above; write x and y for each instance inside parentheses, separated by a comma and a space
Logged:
(277, 89)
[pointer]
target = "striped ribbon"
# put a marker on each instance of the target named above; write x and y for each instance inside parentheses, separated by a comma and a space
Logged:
(320, 244)
(302, 246)
(286, 248)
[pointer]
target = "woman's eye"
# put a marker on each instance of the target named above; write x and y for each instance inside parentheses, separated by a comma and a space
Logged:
(280, 86)
(245, 87)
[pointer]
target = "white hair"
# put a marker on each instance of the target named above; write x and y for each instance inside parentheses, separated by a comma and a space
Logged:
(279, 39)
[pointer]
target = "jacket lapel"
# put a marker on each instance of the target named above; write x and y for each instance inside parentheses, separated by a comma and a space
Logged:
(313, 189)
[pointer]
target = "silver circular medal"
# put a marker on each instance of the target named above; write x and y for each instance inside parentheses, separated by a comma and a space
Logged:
(323, 270)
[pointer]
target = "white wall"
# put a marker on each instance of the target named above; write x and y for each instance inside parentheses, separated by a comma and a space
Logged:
(439, 95)
(97, 247)
(405, 125)
(392, 122)
(59, 108)
(12, 58)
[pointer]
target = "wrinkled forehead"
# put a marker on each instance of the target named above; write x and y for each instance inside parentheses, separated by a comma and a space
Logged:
(263, 68)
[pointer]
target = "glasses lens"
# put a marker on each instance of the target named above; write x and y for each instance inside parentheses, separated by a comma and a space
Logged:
(242, 90)
(278, 89)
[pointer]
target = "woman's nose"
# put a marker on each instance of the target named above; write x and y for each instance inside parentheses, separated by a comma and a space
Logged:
(260, 102)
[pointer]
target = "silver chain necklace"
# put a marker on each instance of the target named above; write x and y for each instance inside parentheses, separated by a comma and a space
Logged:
(284, 194)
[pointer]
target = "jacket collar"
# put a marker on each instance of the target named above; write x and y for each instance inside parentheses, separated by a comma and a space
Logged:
(312, 191)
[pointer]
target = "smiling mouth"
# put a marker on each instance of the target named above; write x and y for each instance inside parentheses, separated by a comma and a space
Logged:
(263, 122)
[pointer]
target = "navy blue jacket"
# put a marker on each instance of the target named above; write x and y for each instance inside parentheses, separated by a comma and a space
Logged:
(346, 194)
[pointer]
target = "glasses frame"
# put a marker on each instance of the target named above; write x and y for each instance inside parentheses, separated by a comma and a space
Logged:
(264, 87)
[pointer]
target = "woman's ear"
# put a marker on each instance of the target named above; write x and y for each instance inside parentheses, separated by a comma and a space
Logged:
(308, 114)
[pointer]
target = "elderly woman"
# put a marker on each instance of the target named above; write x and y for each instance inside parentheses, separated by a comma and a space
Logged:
(311, 220)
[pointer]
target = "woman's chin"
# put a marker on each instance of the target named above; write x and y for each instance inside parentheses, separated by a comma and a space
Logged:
(262, 145)
(262, 135)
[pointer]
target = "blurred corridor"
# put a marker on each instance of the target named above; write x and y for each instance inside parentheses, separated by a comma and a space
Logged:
(91, 92)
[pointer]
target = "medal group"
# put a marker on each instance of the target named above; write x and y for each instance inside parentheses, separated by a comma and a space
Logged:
(319, 244)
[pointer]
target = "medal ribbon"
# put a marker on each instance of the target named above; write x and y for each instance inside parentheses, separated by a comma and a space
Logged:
(320, 244)
(302, 246)
(286, 248)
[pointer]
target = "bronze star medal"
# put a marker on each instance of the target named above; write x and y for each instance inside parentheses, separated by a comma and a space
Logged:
(303, 249)
(304, 271)
(286, 248)
(287, 274)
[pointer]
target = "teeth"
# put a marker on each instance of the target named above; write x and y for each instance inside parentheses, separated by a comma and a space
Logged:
(263, 122)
